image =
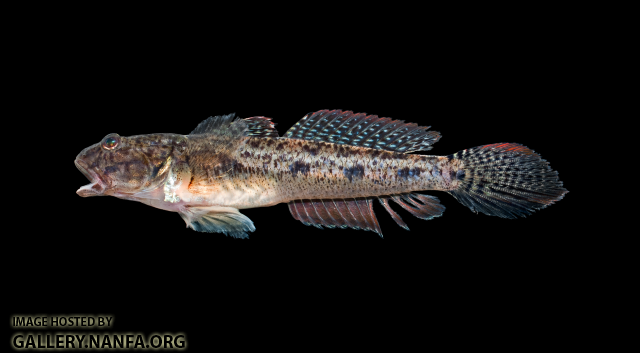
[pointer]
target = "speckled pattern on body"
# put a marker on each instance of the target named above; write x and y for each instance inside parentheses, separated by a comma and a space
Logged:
(328, 167)
(271, 171)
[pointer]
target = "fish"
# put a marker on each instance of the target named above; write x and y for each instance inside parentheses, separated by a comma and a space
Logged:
(329, 168)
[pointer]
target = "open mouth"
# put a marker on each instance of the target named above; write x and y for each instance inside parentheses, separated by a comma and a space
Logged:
(97, 186)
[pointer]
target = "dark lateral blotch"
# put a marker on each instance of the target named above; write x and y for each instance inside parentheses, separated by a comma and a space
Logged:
(357, 171)
(299, 167)
(409, 173)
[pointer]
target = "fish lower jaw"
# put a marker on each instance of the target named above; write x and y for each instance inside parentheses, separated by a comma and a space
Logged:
(96, 188)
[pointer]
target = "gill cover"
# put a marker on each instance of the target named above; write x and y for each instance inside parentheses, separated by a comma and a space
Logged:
(125, 165)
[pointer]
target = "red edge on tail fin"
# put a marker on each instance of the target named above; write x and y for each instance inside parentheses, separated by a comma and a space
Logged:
(509, 147)
(506, 180)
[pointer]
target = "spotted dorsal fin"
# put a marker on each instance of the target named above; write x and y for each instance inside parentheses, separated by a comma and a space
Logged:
(340, 127)
(260, 126)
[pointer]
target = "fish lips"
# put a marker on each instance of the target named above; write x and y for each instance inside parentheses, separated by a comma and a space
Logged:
(97, 186)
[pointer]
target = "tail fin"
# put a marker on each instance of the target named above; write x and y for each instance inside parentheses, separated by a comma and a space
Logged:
(506, 180)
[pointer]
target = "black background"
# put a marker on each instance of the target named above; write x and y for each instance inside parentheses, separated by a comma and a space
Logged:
(140, 264)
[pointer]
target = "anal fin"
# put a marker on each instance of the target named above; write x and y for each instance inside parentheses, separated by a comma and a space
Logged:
(428, 208)
(396, 217)
(352, 213)
(216, 219)
(359, 214)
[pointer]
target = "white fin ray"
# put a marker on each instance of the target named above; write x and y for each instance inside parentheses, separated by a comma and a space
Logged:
(336, 126)
(217, 219)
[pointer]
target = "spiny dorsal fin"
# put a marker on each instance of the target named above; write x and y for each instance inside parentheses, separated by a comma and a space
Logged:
(255, 126)
(260, 126)
(359, 129)
(212, 145)
(216, 137)
(214, 124)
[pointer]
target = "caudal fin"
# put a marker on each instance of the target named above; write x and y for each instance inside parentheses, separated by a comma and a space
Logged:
(506, 180)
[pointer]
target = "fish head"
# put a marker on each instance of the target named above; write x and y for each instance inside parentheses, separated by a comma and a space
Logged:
(121, 166)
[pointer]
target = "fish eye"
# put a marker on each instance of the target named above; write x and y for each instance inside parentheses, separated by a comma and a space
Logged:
(110, 141)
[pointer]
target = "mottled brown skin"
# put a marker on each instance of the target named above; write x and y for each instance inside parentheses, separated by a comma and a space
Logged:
(281, 169)
(134, 165)
(225, 165)
(251, 172)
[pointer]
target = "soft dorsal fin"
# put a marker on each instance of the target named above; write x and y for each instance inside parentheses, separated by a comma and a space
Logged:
(340, 127)
(261, 127)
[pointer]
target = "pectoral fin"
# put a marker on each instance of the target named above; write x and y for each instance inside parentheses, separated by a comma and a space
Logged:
(217, 219)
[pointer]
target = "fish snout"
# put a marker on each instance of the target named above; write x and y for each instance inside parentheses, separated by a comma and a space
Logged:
(96, 188)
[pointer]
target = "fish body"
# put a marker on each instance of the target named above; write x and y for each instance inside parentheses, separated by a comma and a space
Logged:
(329, 168)
(268, 171)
